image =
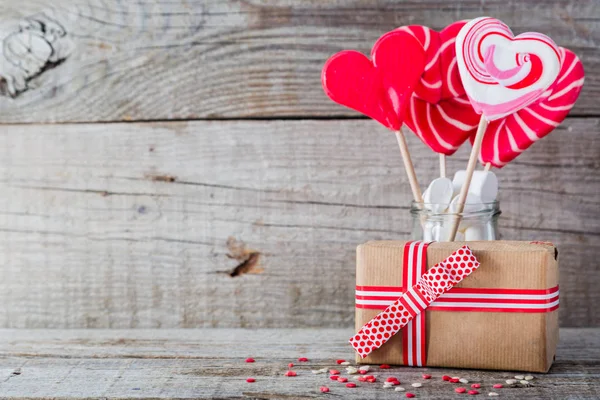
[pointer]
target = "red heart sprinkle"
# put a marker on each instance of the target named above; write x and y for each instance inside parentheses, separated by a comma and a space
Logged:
(446, 378)
(250, 380)
(476, 386)
(460, 390)
(303, 359)
(362, 379)
(498, 386)
(454, 380)
(426, 376)
(343, 380)
(333, 377)
(350, 385)
(384, 366)
(249, 360)
(362, 372)
(334, 372)
(409, 395)
(290, 373)
(473, 392)
(290, 365)
(340, 361)
(324, 389)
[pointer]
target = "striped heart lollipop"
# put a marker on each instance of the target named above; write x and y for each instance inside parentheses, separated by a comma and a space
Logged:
(508, 137)
(440, 113)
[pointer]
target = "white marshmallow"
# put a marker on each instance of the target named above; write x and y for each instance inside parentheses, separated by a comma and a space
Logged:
(460, 237)
(483, 184)
(482, 231)
(438, 195)
(441, 231)
(438, 233)
(472, 204)
(475, 232)
(428, 231)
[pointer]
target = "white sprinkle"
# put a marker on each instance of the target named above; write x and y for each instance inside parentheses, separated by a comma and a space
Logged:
(519, 377)
(355, 378)
(416, 384)
(351, 370)
(387, 386)
(345, 363)
(463, 380)
(529, 378)
(364, 368)
(399, 389)
(524, 382)
(319, 371)
(493, 394)
(511, 381)
(456, 377)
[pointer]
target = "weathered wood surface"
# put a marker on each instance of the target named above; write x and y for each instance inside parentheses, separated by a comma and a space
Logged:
(107, 60)
(128, 225)
(210, 364)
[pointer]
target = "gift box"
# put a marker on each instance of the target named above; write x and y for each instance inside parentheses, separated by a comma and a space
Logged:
(503, 315)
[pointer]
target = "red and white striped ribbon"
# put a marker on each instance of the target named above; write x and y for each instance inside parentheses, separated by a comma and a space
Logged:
(467, 299)
(413, 335)
(429, 286)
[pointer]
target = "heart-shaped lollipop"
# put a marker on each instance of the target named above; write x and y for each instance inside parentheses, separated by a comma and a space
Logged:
(380, 88)
(508, 137)
(502, 74)
(440, 113)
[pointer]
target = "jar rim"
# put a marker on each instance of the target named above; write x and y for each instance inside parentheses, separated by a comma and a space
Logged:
(489, 208)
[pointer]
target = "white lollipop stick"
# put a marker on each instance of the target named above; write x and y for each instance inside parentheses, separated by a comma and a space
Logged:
(488, 166)
(410, 169)
(442, 165)
(462, 197)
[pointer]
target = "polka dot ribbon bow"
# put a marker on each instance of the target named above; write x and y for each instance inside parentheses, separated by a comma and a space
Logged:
(431, 285)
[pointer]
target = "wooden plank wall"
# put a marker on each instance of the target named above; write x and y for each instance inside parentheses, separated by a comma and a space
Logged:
(149, 148)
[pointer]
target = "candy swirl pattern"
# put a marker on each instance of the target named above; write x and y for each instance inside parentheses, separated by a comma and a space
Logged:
(502, 74)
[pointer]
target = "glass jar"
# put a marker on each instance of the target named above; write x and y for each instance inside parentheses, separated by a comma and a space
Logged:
(433, 222)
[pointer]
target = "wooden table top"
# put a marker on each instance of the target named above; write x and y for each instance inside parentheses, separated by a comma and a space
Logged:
(210, 364)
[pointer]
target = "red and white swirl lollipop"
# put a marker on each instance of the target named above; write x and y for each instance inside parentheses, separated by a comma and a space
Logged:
(501, 74)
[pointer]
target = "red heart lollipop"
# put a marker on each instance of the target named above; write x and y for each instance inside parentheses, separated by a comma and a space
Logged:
(440, 113)
(430, 85)
(508, 137)
(381, 88)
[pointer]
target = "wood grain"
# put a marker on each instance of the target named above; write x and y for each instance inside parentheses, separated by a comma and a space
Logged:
(140, 225)
(209, 364)
(165, 59)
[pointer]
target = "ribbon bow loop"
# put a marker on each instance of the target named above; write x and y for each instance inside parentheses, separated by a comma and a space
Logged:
(431, 285)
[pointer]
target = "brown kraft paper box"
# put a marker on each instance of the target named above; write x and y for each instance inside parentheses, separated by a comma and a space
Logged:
(518, 341)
